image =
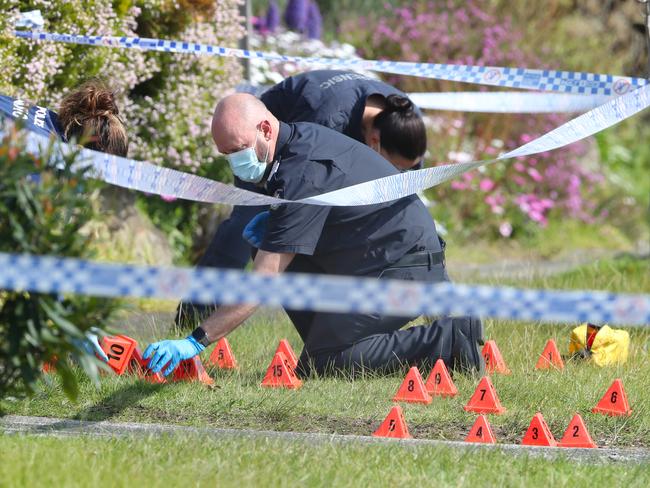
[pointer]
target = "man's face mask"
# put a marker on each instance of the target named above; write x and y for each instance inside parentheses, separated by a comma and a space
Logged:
(246, 166)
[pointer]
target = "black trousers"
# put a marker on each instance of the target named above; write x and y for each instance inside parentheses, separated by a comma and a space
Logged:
(336, 342)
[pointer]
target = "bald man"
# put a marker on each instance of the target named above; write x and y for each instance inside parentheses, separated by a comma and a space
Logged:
(368, 110)
(395, 240)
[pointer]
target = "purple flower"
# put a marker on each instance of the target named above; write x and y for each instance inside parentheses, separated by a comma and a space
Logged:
(314, 22)
(295, 15)
(259, 24)
(272, 16)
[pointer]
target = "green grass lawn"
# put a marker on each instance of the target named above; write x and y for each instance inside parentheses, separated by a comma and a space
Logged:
(199, 461)
(357, 406)
(560, 239)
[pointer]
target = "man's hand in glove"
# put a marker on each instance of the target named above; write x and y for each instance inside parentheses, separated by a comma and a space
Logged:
(255, 230)
(171, 353)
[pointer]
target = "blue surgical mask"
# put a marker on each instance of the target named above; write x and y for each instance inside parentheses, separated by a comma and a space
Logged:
(245, 164)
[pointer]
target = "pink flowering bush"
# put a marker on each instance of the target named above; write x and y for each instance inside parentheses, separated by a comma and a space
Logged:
(166, 99)
(506, 197)
(44, 71)
(175, 112)
(282, 41)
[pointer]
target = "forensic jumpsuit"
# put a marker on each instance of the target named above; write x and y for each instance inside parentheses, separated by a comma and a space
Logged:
(390, 240)
(334, 99)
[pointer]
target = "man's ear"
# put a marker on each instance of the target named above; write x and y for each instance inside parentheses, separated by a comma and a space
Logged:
(267, 129)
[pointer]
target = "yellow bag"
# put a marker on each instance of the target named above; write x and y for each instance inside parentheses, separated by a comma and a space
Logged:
(603, 344)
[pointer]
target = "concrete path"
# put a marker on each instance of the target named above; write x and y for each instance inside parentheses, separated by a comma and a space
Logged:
(15, 424)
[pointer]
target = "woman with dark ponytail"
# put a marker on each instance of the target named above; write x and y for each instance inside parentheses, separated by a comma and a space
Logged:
(368, 110)
(394, 128)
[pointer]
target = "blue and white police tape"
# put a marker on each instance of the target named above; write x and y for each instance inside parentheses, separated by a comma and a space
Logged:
(30, 20)
(507, 102)
(323, 293)
(403, 184)
(511, 102)
(524, 78)
(147, 177)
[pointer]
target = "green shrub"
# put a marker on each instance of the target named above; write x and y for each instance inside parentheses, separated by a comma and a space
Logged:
(43, 210)
(165, 99)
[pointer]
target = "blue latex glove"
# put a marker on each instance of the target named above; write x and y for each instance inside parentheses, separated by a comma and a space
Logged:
(171, 353)
(91, 345)
(255, 230)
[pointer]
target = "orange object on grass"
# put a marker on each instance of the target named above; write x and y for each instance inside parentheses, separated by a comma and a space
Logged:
(280, 373)
(192, 370)
(439, 382)
(494, 362)
(538, 433)
(484, 399)
(577, 435)
(614, 401)
(394, 425)
(412, 388)
(550, 357)
(119, 350)
(222, 355)
(285, 348)
(481, 432)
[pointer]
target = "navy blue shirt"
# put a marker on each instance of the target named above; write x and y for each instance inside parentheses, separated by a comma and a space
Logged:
(334, 99)
(360, 240)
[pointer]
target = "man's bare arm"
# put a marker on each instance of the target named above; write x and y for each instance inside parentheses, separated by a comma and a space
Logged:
(228, 317)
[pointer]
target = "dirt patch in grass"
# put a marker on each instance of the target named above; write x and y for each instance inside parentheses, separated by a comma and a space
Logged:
(284, 421)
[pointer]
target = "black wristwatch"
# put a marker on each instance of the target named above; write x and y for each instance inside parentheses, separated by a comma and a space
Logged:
(201, 337)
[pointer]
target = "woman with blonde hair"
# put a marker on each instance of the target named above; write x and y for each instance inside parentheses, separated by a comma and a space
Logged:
(90, 115)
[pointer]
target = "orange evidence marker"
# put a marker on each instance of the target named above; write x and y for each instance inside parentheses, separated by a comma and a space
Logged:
(192, 370)
(412, 388)
(393, 425)
(538, 433)
(484, 399)
(439, 383)
(550, 357)
(614, 401)
(494, 362)
(222, 355)
(119, 350)
(140, 366)
(280, 373)
(49, 366)
(576, 434)
(481, 432)
(285, 348)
